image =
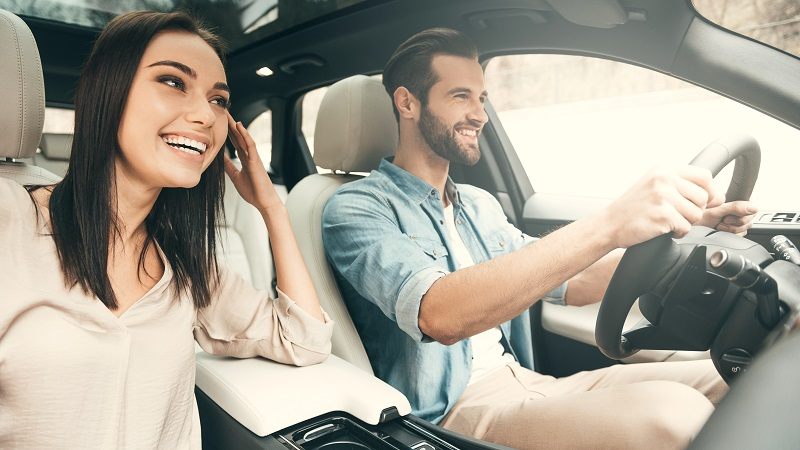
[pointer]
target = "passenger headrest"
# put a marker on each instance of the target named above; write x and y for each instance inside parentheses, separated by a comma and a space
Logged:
(21, 89)
(56, 147)
(355, 127)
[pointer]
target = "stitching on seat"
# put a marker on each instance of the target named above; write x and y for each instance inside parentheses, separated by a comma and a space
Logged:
(13, 30)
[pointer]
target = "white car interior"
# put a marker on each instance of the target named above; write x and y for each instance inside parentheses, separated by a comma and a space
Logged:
(23, 92)
(340, 404)
(355, 129)
(53, 153)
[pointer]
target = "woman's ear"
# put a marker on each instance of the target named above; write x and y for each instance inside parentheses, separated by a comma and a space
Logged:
(407, 105)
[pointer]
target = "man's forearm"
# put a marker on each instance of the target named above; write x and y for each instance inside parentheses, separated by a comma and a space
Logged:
(472, 300)
(589, 286)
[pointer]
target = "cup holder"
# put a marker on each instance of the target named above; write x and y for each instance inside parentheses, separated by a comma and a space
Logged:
(336, 433)
(342, 445)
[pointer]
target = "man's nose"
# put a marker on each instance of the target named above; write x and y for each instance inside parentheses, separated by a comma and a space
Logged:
(478, 113)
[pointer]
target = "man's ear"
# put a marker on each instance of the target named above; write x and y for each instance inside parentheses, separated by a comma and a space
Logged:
(407, 105)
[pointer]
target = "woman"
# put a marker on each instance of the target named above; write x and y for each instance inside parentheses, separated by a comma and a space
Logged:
(108, 275)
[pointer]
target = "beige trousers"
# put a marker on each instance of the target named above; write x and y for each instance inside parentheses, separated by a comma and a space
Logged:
(636, 406)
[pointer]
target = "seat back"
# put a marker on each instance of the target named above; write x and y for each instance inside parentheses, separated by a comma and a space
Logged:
(355, 129)
(54, 155)
(22, 108)
(243, 244)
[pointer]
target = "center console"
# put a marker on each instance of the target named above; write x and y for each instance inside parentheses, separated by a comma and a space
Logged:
(259, 404)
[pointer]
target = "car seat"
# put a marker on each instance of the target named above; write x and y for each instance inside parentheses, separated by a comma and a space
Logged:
(355, 129)
(55, 149)
(22, 113)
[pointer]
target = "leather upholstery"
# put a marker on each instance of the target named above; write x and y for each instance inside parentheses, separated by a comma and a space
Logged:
(22, 89)
(55, 150)
(355, 128)
(22, 108)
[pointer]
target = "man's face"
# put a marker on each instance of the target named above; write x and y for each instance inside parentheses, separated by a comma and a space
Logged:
(453, 117)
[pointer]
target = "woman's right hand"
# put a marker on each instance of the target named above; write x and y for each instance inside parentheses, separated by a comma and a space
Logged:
(252, 181)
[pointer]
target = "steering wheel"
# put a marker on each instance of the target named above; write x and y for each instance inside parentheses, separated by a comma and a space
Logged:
(644, 265)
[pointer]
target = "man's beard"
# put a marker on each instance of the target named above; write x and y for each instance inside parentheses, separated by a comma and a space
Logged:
(443, 141)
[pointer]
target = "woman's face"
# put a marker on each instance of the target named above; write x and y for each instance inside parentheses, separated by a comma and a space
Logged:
(175, 119)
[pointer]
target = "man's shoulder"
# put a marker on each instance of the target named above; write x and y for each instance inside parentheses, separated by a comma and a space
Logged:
(371, 191)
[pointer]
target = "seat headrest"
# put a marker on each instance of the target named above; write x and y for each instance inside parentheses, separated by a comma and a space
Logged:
(355, 126)
(56, 146)
(21, 88)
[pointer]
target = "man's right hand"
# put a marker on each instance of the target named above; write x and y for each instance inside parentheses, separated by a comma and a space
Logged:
(663, 201)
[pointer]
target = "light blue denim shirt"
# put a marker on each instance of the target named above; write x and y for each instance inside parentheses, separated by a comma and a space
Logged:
(386, 240)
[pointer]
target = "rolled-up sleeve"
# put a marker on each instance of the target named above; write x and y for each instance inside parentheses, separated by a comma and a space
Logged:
(365, 245)
(242, 321)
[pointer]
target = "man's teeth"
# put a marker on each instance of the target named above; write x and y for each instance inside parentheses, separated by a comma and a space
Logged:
(471, 133)
(184, 144)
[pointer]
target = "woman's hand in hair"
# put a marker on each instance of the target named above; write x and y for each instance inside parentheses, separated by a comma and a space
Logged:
(252, 181)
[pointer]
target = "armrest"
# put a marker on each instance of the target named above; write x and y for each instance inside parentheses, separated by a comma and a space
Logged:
(265, 396)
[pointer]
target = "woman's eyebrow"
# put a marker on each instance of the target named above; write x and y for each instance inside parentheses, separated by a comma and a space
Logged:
(180, 66)
(189, 72)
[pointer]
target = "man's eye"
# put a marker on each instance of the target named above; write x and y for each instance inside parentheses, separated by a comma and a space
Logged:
(174, 82)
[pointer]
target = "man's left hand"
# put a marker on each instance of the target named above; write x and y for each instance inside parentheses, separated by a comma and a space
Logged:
(733, 217)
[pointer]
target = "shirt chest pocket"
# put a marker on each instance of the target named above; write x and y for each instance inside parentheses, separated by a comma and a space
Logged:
(432, 247)
(497, 244)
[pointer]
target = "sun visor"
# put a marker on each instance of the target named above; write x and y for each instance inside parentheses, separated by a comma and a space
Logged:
(265, 396)
(595, 13)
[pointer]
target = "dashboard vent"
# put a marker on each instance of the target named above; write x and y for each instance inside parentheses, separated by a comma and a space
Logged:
(785, 217)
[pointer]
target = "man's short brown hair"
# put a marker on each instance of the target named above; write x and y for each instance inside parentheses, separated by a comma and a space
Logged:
(410, 65)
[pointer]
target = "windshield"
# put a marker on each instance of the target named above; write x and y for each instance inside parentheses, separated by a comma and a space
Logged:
(773, 22)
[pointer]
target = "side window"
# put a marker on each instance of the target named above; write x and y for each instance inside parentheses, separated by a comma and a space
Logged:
(261, 131)
(591, 127)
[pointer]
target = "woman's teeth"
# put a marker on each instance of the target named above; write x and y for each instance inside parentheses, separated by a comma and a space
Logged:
(184, 144)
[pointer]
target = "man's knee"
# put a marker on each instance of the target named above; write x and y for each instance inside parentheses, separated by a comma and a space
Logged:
(670, 414)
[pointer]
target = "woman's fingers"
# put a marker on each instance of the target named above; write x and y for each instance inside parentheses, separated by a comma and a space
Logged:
(236, 138)
(230, 167)
(248, 141)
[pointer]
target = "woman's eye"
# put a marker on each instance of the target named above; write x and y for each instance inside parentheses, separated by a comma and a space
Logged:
(174, 82)
(220, 101)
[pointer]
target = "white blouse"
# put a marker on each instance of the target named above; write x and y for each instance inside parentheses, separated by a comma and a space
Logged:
(74, 375)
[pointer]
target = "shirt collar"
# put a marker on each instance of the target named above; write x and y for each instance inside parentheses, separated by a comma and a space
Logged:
(414, 186)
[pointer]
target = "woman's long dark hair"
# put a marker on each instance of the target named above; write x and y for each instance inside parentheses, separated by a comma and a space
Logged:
(82, 206)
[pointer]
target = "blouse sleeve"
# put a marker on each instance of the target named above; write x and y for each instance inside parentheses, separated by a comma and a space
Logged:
(245, 322)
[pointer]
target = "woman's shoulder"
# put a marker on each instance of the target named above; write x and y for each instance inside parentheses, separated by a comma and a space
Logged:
(16, 205)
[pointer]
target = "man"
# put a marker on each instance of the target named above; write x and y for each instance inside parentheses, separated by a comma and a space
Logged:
(438, 282)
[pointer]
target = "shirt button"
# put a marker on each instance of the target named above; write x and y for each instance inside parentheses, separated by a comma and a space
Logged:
(458, 221)
(441, 222)
(502, 244)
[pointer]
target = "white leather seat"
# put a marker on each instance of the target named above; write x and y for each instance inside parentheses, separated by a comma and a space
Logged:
(55, 150)
(22, 110)
(243, 244)
(355, 129)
